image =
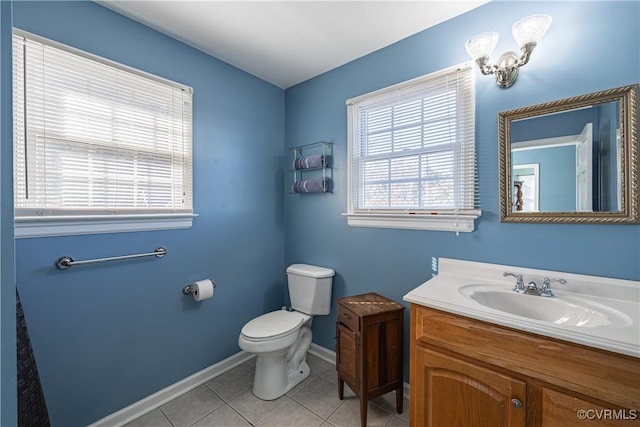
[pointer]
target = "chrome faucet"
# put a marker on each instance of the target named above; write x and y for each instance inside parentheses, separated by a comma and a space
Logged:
(519, 287)
(532, 288)
(545, 290)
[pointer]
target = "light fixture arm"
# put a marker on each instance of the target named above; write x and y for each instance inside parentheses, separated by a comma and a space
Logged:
(526, 31)
(485, 68)
(506, 69)
(526, 53)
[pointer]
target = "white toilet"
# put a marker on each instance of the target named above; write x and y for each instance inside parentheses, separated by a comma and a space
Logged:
(281, 338)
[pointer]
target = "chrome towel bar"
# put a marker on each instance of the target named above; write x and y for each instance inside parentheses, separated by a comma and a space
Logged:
(66, 262)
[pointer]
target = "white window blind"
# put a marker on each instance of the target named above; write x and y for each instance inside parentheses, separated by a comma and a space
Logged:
(94, 138)
(412, 151)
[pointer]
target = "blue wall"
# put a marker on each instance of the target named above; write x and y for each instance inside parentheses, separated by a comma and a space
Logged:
(557, 176)
(560, 124)
(581, 53)
(8, 384)
(107, 335)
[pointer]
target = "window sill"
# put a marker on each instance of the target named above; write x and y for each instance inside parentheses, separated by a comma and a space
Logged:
(43, 226)
(434, 222)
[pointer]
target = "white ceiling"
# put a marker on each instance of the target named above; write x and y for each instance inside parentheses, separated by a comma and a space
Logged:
(288, 42)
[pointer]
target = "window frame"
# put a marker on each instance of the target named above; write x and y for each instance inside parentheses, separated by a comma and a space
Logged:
(458, 220)
(42, 221)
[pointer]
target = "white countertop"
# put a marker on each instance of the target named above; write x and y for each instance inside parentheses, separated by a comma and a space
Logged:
(442, 292)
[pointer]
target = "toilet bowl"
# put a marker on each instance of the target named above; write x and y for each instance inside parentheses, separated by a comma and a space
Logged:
(280, 339)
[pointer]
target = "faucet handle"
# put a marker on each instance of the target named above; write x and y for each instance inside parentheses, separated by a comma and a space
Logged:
(519, 281)
(545, 290)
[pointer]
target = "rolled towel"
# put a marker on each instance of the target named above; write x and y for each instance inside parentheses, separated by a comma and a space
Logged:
(316, 185)
(309, 162)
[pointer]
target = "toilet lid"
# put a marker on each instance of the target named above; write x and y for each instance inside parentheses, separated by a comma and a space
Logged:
(279, 322)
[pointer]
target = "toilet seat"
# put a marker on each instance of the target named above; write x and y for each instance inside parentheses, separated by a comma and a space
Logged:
(273, 325)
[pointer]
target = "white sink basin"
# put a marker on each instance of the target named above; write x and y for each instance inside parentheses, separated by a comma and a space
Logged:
(600, 312)
(563, 310)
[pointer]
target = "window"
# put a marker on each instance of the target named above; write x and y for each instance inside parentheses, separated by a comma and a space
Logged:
(98, 147)
(412, 154)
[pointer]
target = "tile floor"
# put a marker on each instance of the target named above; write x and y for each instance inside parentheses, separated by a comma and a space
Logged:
(227, 401)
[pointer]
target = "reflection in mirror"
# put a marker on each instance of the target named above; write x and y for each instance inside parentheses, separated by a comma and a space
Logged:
(572, 160)
(527, 183)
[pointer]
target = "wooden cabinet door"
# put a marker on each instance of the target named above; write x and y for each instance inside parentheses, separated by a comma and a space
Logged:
(347, 354)
(382, 346)
(564, 410)
(451, 392)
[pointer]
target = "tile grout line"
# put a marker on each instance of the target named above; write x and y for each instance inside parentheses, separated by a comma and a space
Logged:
(325, 419)
(208, 413)
(226, 402)
(320, 374)
(164, 415)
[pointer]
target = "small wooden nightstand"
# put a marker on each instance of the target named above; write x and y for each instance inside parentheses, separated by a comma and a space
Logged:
(369, 332)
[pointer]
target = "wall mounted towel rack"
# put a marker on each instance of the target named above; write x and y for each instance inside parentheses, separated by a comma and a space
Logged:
(322, 183)
(66, 262)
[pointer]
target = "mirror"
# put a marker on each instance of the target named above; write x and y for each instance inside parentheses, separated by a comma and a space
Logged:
(574, 160)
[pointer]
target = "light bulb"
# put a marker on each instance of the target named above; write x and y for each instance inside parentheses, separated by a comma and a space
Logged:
(482, 45)
(530, 29)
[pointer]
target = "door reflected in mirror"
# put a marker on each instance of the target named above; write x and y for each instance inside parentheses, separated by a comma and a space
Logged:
(571, 160)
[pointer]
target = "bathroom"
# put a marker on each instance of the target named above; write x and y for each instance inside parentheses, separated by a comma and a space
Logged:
(107, 336)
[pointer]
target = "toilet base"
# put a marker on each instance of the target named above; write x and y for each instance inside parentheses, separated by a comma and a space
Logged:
(297, 376)
(272, 380)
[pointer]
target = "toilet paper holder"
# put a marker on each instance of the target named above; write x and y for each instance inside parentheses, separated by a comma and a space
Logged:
(190, 289)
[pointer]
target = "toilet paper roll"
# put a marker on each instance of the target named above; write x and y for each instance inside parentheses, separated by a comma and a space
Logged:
(203, 289)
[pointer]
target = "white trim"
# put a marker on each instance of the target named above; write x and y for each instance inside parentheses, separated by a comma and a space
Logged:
(100, 59)
(27, 227)
(42, 211)
(163, 396)
(533, 144)
(370, 97)
(323, 353)
(435, 222)
(454, 219)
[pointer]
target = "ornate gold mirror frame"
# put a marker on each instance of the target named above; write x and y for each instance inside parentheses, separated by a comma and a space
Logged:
(628, 197)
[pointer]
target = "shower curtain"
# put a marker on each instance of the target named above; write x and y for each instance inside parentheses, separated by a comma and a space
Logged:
(32, 409)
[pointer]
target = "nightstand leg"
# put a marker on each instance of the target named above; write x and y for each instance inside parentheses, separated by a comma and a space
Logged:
(363, 412)
(399, 399)
(340, 388)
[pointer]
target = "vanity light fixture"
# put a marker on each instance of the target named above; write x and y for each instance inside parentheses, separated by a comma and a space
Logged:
(527, 32)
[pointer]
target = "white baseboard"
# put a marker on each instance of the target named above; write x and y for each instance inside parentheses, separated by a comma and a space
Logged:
(148, 404)
(323, 353)
(161, 397)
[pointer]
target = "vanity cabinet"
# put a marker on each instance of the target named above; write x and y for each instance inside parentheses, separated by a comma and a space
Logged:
(464, 394)
(560, 409)
(469, 373)
(369, 348)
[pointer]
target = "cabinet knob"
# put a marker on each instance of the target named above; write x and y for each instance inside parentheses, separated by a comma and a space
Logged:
(516, 403)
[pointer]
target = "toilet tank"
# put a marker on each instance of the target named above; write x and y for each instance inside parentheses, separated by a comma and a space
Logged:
(310, 288)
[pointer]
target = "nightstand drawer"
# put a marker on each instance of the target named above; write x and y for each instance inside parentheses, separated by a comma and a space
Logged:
(348, 318)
